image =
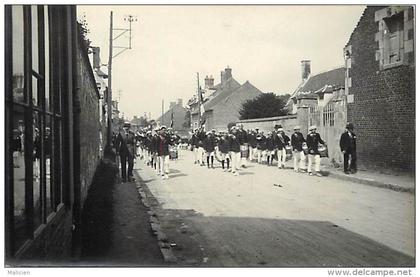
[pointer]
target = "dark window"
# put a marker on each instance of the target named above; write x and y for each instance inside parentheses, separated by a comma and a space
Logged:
(393, 38)
(35, 129)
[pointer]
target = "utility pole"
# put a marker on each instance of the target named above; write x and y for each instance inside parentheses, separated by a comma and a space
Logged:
(161, 118)
(109, 98)
(199, 99)
(130, 19)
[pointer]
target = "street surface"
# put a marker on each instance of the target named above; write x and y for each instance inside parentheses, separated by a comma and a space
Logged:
(275, 217)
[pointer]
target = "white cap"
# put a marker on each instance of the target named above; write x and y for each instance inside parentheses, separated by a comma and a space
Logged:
(313, 127)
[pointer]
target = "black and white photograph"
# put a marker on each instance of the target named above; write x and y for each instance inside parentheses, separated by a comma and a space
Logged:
(210, 136)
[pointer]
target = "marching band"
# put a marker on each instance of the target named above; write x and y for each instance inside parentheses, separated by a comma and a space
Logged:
(233, 148)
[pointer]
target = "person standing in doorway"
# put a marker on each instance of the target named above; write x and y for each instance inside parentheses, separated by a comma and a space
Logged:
(313, 140)
(348, 148)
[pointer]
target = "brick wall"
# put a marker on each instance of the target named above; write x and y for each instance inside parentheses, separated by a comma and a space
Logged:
(267, 124)
(383, 102)
(90, 127)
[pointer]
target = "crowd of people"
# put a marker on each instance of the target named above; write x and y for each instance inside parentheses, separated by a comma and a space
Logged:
(238, 147)
(234, 149)
(155, 147)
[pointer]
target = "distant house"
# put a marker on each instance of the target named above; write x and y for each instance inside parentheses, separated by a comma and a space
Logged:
(222, 102)
(176, 113)
(380, 87)
(316, 90)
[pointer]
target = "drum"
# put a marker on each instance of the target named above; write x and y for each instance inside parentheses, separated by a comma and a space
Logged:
(244, 151)
(288, 150)
(305, 148)
(173, 153)
(323, 151)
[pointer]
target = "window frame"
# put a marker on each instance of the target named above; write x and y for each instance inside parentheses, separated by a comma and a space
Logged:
(57, 202)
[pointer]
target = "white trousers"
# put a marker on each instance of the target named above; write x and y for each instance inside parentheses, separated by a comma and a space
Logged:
(259, 155)
(236, 160)
(298, 160)
(195, 154)
(311, 159)
(200, 154)
(281, 157)
(164, 164)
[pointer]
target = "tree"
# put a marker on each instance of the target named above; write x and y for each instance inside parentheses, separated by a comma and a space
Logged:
(264, 105)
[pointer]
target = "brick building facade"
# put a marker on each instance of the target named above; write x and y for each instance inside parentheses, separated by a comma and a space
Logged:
(380, 87)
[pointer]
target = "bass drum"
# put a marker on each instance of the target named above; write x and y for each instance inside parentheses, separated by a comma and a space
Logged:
(323, 151)
(244, 151)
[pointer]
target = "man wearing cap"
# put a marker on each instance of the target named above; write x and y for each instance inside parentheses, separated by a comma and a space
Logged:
(252, 143)
(209, 146)
(201, 135)
(163, 142)
(125, 146)
(298, 155)
(243, 141)
(313, 139)
(348, 148)
(234, 150)
(281, 141)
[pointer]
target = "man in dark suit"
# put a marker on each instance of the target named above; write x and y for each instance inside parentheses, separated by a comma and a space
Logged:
(348, 148)
(125, 145)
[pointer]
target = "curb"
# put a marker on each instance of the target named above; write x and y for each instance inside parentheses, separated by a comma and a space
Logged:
(147, 200)
(371, 182)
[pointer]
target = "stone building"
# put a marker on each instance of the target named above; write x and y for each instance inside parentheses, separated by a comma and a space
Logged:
(380, 87)
(223, 101)
(177, 114)
(52, 129)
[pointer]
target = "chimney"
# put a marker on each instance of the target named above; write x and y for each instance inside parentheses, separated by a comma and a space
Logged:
(222, 77)
(211, 81)
(96, 57)
(228, 73)
(225, 75)
(306, 69)
(179, 102)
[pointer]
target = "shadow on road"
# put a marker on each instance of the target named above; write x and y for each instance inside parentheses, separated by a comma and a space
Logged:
(214, 241)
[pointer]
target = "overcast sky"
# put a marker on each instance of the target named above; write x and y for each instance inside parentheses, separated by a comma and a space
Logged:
(262, 44)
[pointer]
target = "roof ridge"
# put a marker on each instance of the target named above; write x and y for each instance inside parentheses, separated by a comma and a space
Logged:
(327, 70)
(357, 25)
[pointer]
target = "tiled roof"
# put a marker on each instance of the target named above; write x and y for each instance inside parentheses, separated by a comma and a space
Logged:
(221, 93)
(335, 77)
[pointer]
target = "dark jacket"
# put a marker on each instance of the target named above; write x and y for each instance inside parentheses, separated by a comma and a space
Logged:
(313, 140)
(209, 144)
(348, 142)
(252, 140)
(200, 139)
(261, 142)
(163, 143)
(223, 145)
(125, 143)
(234, 144)
(270, 143)
(281, 140)
(194, 140)
(242, 136)
(297, 141)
